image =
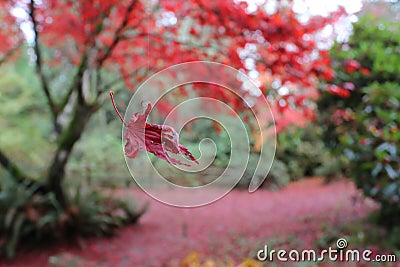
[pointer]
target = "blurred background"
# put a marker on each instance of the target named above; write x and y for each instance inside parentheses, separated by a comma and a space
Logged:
(329, 70)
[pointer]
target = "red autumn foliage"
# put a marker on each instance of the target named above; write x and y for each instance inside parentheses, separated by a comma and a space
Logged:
(129, 36)
(338, 90)
(351, 66)
(328, 74)
(118, 43)
(11, 36)
(365, 71)
(157, 139)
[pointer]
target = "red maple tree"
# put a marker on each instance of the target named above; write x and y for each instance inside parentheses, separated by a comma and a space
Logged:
(98, 44)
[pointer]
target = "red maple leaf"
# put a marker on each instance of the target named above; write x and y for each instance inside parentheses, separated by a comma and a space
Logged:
(154, 138)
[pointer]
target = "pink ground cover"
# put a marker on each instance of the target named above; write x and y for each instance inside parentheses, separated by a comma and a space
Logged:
(234, 227)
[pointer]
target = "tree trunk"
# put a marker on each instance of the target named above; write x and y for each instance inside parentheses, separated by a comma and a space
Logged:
(66, 142)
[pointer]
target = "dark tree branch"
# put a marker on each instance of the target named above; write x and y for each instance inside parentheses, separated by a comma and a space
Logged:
(12, 168)
(118, 34)
(84, 60)
(39, 64)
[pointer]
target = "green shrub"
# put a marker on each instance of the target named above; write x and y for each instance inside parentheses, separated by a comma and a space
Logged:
(26, 215)
(201, 129)
(364, 123)
(300, 152)
(278, 176)
(304, 153)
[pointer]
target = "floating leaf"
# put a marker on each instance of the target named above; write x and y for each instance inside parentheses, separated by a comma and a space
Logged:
(154, 138)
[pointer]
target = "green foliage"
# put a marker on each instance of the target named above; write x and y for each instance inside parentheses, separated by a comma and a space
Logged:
(29, 215)
(20, 216)
(98, 155)
(365, 126)
(300, 153)
(25, 214)
(278, 176)
(24, 126)
(99, 213)
(204, 128)
(363, 233)
(305, 154)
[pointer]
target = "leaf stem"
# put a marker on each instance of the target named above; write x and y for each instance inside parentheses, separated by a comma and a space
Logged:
(116, 109)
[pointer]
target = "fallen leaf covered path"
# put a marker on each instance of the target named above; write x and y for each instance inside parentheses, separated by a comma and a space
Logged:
(234, 227)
